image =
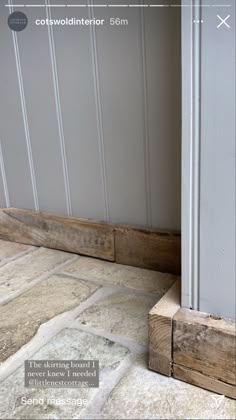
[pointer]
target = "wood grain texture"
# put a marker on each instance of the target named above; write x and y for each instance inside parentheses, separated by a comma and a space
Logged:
(84, 237)
(206, 344)
(157, 250)
(160, 330)
(151, 249)
(196, 378)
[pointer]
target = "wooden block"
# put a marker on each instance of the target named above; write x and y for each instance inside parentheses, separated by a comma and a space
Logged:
(151, 249)
(95, 239)
(205, 344)
(196, 378)
(160, 330)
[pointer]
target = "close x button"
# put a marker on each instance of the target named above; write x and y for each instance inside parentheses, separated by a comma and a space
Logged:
(223, 22)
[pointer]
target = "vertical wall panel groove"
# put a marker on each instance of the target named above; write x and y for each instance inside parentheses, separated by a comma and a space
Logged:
(12, 131)
(146, 122)
(121, 88)
(39, 90)
(24, 113)
(195, 153)
(59, 112)
(4, 178)
(99, 112)
(78, 105)
(162, 49)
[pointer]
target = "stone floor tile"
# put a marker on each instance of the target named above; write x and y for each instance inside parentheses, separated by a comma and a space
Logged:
(121, 314)
(21, 317)
(18, 273)
(69, 344)
(143, 394)
(11, 249)
(122, 275)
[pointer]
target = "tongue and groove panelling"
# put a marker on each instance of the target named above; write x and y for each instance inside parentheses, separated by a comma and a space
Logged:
(90, 122)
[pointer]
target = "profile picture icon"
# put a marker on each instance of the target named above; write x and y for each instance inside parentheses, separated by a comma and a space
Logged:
(17, 21)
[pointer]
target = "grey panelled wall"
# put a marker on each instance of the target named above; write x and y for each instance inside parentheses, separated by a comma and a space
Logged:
(208, 158)
(217, 273)
(90, 117)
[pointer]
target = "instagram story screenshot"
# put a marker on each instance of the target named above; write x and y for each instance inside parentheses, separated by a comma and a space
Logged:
(117, 209)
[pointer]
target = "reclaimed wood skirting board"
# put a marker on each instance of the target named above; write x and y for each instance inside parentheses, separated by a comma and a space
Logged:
(160, 330)
(155, 250)
(192, 346)
(144, 248)
(205, 344)
(196, 378)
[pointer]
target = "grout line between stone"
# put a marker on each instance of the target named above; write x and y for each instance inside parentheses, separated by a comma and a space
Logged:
(103, 393)
(68, 320)
(125, 342)
(116, 286)
(19, 255)
(35, 281)
(47, 331)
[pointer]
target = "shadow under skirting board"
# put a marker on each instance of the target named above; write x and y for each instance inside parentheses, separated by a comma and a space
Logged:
(192, 346)
(143, 248)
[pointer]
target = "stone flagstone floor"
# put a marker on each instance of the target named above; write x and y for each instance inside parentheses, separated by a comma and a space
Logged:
(56, 305)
